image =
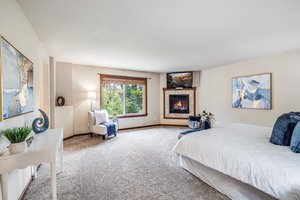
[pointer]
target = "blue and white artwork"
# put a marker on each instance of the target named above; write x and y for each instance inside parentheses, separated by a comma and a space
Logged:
(17, 81)
(252, 92)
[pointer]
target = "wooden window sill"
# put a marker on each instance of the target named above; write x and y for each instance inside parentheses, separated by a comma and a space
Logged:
(131, 116)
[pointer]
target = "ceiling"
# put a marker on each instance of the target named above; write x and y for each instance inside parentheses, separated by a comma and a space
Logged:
(164, 35)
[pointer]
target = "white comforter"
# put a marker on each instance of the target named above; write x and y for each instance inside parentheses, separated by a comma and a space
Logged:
(244, 152)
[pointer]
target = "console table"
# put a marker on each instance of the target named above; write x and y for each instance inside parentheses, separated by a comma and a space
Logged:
(43, 149)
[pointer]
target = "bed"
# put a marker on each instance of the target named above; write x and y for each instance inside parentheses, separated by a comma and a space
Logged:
(239, 161)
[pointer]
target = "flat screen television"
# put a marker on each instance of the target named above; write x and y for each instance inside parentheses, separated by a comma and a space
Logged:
(180, 80)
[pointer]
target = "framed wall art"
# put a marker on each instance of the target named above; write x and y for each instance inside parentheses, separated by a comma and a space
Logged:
(252, 92)
(17, 81)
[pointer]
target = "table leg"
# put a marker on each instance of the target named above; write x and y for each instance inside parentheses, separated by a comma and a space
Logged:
(53, 180)
(4, 186)
(61, 156)
(34, 171)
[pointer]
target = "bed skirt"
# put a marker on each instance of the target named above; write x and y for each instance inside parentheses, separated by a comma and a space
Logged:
(227, 185)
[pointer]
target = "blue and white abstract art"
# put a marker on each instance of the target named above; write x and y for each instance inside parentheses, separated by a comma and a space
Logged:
(17, 85)
(252, 92)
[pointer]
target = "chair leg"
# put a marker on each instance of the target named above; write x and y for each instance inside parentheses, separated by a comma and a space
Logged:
(103, 137)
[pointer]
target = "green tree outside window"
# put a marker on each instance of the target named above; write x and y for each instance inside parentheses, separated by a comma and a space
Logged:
(122, 99)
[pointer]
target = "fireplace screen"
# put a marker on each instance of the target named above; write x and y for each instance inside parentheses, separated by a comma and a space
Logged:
(179, 104)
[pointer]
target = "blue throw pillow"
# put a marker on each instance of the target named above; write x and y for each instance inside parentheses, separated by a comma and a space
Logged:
(283, 128)
(295, 141)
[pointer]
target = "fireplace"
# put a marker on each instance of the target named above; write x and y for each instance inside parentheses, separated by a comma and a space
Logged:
(179, 103)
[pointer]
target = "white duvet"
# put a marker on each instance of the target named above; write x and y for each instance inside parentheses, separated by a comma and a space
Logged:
(245, 153)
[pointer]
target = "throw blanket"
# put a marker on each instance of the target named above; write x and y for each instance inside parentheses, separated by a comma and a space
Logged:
(191, 131)
(111, 128)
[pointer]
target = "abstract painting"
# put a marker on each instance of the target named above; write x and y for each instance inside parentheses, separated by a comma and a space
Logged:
(17, 81)
(252, 92)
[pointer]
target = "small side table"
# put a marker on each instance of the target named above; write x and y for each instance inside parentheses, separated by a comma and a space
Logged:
(44, 149)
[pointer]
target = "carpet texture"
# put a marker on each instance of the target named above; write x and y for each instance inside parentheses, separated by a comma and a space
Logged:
(136, 165)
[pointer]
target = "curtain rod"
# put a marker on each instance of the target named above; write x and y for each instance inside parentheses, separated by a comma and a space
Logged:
(125, 76)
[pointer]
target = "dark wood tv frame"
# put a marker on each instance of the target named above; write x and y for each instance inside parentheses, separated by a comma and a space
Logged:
(192, 74)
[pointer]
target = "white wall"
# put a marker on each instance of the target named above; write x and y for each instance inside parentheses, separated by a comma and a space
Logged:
(213, 91)
(215, 88)
(64, 86)
(163, 84)
(15, 27)
(86, 78)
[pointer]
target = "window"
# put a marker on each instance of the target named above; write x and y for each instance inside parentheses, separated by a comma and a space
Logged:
(123, 96)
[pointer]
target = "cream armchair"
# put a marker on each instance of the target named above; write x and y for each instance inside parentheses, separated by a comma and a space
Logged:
(97, 117)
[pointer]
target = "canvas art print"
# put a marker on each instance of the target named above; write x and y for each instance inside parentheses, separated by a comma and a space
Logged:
(17, 81)
(252, 92)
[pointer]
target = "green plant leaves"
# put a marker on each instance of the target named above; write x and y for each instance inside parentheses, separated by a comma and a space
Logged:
(17, 134)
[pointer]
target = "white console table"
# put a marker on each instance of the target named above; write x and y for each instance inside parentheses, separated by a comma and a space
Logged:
(43, 149)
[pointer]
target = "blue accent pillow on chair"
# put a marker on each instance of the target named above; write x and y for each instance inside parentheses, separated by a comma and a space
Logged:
(283, 128)
(295, 141)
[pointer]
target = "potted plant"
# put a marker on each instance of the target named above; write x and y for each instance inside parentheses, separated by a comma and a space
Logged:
(17, 138)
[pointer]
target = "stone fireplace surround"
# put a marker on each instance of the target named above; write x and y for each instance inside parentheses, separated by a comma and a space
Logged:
(185, 91)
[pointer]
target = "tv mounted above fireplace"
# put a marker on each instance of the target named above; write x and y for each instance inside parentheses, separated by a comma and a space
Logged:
(180, 80)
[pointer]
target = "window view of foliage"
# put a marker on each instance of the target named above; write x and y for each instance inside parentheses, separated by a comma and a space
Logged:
(121, 99)
(134, 98)
(112, 97)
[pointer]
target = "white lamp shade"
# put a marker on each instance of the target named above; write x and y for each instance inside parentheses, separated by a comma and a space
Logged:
(91, 95)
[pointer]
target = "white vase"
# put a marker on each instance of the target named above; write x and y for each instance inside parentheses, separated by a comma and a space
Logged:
(15, 148)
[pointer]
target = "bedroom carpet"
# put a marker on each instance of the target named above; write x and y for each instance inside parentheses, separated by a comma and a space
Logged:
(136, 165)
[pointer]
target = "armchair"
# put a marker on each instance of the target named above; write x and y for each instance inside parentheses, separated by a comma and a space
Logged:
(95, 120)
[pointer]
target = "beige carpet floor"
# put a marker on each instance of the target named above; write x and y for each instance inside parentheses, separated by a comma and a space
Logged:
(136, 165)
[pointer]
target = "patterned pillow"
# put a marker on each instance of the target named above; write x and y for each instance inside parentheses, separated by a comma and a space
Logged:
(283, 128)
(295, 141)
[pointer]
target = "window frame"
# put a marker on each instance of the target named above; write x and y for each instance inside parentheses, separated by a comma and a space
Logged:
(102, 76)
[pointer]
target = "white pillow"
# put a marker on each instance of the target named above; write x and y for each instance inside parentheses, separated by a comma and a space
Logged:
(101, 116)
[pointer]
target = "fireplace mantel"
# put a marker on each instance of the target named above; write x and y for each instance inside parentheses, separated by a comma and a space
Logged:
(191, 92)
